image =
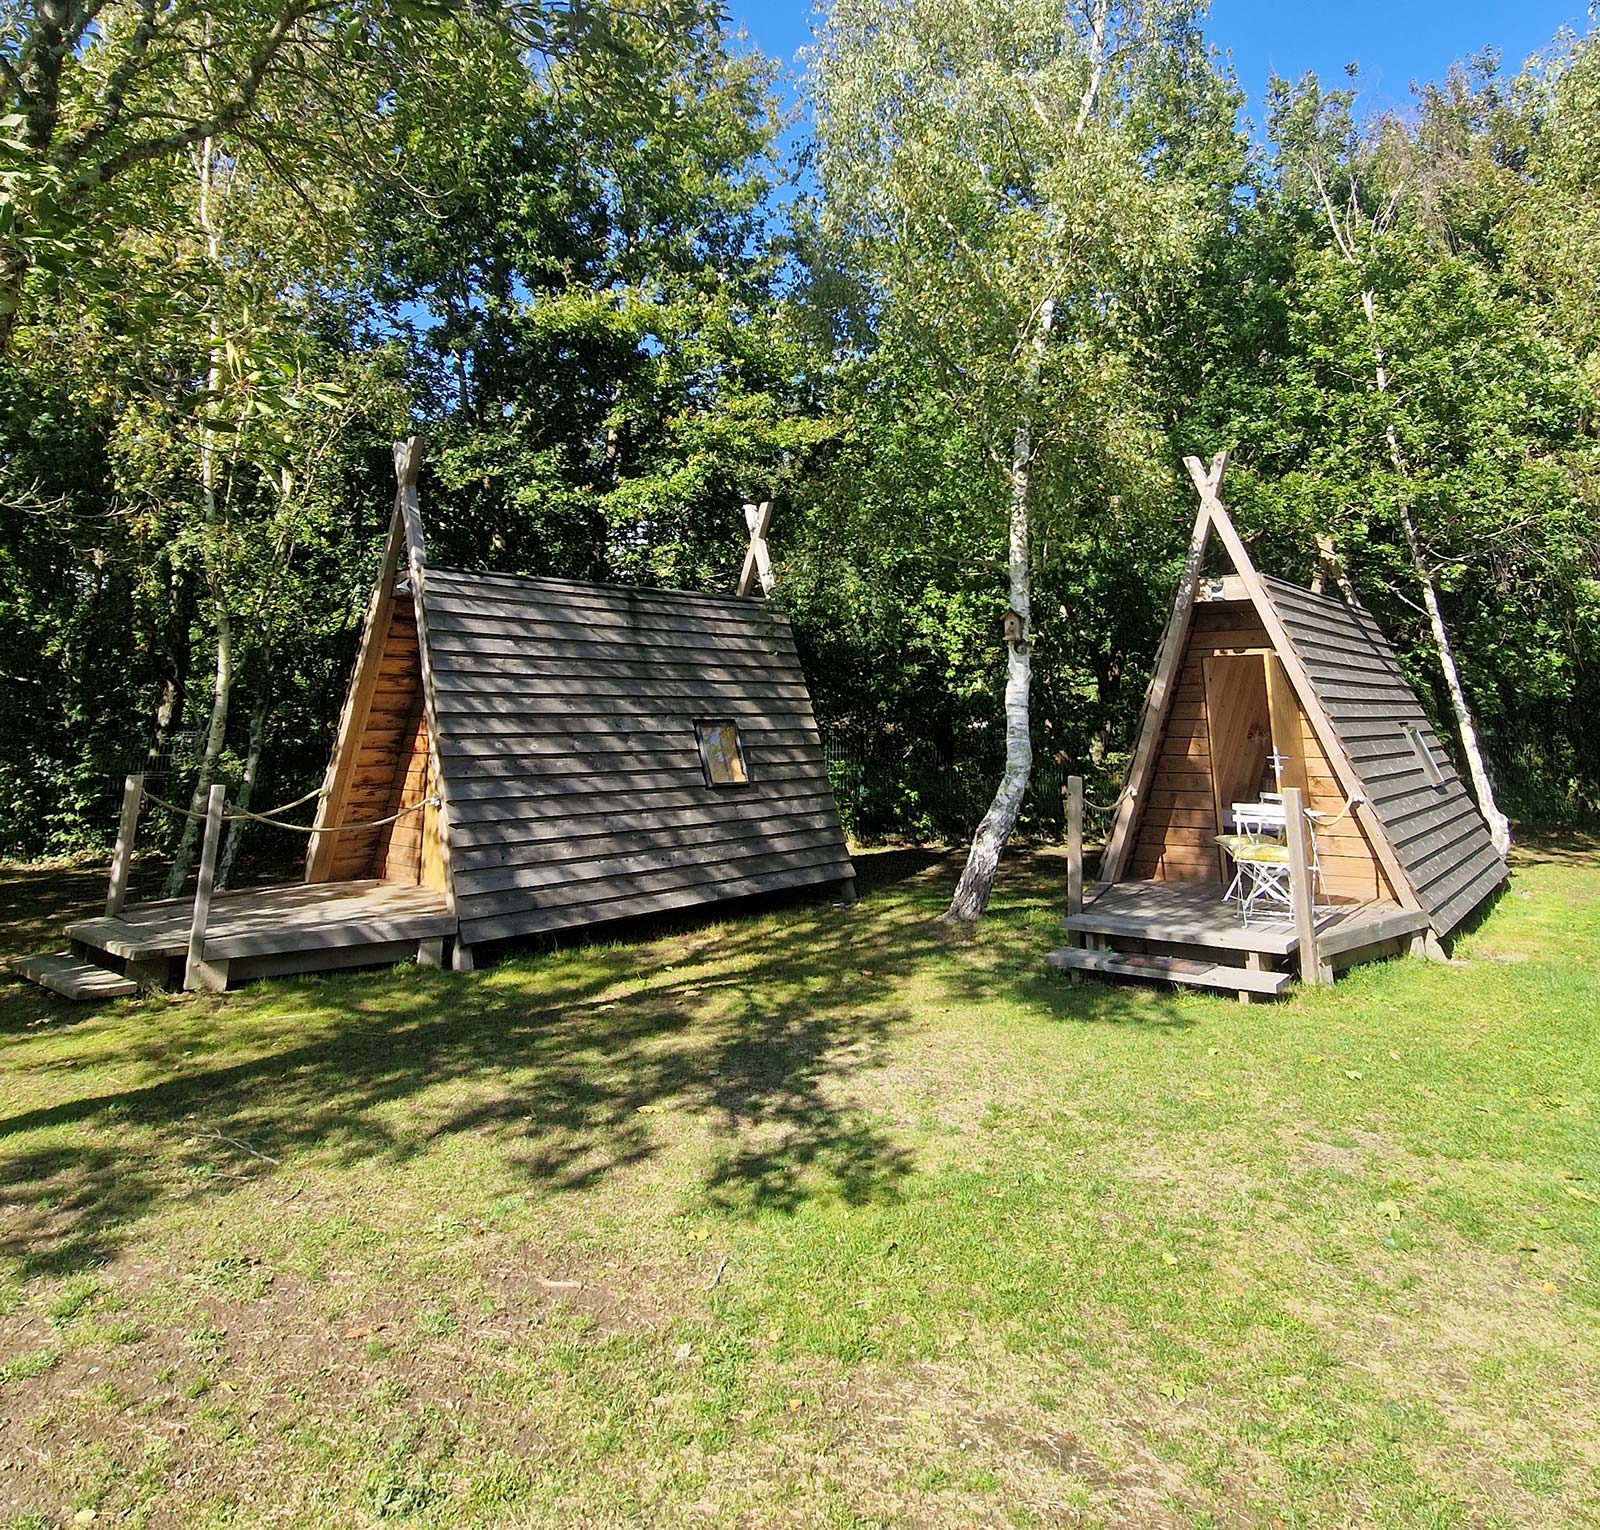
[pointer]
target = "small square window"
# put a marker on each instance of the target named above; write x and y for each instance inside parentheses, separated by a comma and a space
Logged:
(1426, 758)
(720, 753)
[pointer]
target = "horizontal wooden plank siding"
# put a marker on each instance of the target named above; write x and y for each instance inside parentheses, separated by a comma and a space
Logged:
(577, 794)
(1179, 821)
(1176, 836)
(1435, 827)
(381, 763)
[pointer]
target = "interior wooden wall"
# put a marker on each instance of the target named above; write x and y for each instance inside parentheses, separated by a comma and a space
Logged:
(391, 770)
(1175, 841)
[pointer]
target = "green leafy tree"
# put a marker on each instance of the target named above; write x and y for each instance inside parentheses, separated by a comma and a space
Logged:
(1001, 218)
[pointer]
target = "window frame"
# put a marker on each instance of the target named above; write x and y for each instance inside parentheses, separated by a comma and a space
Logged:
(702, 730)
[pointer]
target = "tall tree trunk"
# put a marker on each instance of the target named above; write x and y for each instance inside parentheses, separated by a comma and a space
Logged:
(172, 645)
(13, 273)
(216, 736)
(983, 859)
(1331, 566)
(1466, 724)
(247, 790)
(222, 685)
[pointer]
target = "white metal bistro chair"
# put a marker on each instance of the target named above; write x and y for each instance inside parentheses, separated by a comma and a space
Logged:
(1260, 858)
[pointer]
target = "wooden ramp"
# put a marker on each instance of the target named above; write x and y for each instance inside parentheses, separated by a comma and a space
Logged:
(250, 933)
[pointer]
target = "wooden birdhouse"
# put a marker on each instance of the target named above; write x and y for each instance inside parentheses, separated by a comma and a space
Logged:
(1015, 629)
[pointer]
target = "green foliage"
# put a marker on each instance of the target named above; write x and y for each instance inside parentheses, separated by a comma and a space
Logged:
(243, 247)
(1491, 409)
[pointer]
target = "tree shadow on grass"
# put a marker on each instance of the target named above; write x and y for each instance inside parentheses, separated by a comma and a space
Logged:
(570, 1065)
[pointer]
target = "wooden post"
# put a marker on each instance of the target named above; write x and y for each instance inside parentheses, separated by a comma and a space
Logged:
(1074, 796)
(122, 856)
(1301, 891)
(407, 461)
(197, 973)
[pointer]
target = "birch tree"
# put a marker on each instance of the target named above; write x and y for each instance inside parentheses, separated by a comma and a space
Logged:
(1360, 219)
(997, 212)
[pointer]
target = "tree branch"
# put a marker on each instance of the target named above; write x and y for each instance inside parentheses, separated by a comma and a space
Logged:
(220, 122)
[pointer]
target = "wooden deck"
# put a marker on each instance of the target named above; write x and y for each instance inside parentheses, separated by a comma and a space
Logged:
(261, 931)
(1193, 914)
(1184, 933)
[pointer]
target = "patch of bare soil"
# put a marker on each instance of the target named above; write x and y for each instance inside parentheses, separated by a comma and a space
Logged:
(932, 1446)
(1306, 1153)
(223, 1396)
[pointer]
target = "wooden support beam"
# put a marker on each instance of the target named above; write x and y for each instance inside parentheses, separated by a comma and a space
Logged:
(122, 856)
(407, 461)
(1163, 681)
(757, 561)
(1301, 892)
(1074, 796)
(197, 972)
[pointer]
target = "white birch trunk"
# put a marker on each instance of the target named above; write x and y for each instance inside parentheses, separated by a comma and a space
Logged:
(1466, 724)
(222, 685)
(989, 842)
(216, 734)
(247, 790)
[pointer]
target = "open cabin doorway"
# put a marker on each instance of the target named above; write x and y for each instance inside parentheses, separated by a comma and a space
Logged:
(1255, 739)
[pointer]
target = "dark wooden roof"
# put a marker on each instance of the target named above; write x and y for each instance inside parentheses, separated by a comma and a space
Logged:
(566, 730)
(1435, 827)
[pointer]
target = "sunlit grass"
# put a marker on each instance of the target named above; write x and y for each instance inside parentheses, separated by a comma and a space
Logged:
(816, 1217)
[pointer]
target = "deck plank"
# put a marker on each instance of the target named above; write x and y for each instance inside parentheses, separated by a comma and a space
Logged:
(1193, 913)
(71, 977)
(259, 921)
(1169, 969)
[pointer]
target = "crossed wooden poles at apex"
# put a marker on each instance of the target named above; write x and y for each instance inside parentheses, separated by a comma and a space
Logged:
(757, 562)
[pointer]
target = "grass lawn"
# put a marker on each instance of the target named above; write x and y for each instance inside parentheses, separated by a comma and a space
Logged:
(811, 1217)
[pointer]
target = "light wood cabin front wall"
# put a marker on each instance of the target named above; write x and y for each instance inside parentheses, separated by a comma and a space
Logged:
(1178, 823)
(390, 771)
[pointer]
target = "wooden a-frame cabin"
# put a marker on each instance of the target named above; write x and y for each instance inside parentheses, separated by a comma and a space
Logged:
(1259, 680)
(534, 756)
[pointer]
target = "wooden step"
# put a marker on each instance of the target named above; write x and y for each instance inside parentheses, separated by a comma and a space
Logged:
(1187, 971)
(71, 976)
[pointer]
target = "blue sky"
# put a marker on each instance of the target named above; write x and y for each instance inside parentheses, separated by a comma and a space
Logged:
(1394, 41)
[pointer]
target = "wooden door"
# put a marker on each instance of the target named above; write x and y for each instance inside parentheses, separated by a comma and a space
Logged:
(1238, 720)
(1288, 732)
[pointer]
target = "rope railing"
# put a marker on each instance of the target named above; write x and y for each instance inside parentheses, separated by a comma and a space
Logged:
(240, 814)
(198, 972)
(1322, 821)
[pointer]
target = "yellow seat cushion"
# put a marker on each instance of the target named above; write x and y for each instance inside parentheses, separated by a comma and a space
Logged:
(1265, 852)
(1255, 847)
